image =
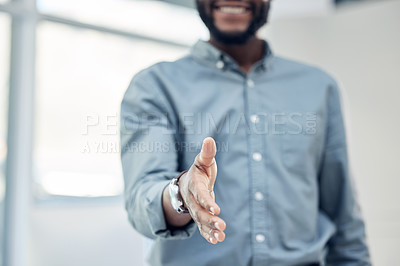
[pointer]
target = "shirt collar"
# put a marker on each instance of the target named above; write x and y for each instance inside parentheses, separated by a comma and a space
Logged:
(207, 53)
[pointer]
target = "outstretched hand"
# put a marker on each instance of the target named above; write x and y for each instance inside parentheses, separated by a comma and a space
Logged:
(197, 190)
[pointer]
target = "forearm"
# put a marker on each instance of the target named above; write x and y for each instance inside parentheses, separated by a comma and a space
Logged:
(144, 121)
(172, 217)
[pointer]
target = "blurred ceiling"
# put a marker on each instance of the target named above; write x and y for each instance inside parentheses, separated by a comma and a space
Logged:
(186, 3)
(191, 3)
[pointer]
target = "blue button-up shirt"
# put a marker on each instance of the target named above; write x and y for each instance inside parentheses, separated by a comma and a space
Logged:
(283, 182)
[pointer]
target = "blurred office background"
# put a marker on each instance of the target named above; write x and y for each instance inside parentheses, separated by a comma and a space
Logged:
(65, 64)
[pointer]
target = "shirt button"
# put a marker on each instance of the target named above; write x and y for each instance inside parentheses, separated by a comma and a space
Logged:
(257, 156)
(250, 83)
(260, 238)
(254, 119)
(258, 196)
(220, 64)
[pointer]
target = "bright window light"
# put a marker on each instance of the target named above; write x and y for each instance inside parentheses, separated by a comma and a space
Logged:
(148, 18)
(81, 184)
(81, 78)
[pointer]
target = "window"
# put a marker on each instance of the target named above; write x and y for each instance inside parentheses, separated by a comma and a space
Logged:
(81, 77)
(82, 68)
(147, 18)
(4, 69)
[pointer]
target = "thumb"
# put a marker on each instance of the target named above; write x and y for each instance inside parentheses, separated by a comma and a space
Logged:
(208, 151)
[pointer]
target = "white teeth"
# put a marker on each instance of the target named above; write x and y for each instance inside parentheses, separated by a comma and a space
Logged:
(232, 9)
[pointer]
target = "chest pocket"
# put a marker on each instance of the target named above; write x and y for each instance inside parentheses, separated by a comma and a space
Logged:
(301, 146)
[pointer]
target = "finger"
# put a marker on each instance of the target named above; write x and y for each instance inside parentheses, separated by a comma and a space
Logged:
(200, 190)
(203, 196)
(203, 217)
(213, 176)
(211, 234)
(213, 195)
(205, 161)
(207, 153)
(210, 227)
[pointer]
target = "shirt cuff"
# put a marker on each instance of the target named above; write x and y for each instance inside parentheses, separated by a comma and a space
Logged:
(156, 218)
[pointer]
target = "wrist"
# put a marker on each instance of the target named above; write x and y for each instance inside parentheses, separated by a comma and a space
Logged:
(173, 218)
(176, 199)
(180, 184)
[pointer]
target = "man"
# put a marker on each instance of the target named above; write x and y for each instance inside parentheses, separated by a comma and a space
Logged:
(283, 193)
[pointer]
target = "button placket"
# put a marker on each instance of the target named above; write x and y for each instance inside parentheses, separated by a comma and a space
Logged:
(258, 179)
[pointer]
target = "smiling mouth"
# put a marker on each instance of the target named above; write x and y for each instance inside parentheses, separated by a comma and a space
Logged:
(237, 8)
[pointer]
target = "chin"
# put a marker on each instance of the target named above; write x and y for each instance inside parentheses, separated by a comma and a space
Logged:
(233, 32)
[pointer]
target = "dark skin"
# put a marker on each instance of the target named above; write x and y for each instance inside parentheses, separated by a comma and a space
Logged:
(197, 185)
(245, 55)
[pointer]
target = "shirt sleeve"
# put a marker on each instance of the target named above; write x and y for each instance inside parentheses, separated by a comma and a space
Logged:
(149, 158)
(337, 194)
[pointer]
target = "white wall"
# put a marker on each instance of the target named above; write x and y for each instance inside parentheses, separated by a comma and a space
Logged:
(359, 45)
(303, 8)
